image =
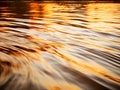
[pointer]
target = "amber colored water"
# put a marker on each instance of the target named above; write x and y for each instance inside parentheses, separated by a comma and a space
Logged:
(59, 46)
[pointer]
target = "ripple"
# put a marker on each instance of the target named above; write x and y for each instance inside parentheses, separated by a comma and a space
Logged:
(59, 46)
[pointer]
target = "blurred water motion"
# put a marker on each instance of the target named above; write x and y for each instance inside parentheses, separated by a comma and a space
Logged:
(58, 46)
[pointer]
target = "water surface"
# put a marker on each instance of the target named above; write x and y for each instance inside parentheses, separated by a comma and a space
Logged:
(59, 46)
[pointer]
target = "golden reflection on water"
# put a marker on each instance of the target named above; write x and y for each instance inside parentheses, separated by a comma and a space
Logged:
(40, 10)
(34, 10)
(100, 15)
(30, 48)
(97, 15)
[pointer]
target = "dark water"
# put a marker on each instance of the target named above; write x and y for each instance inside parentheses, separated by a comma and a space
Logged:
(59, 46)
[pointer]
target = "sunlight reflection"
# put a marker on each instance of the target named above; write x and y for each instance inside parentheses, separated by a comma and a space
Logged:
(99, 15)
(58, 46)
(34, 10)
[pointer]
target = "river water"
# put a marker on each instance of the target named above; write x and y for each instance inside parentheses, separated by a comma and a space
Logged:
(59, 46)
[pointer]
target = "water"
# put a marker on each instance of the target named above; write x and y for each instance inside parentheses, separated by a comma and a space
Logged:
(59, 46)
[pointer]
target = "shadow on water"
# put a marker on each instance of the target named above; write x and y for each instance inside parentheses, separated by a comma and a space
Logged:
(59, 46)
